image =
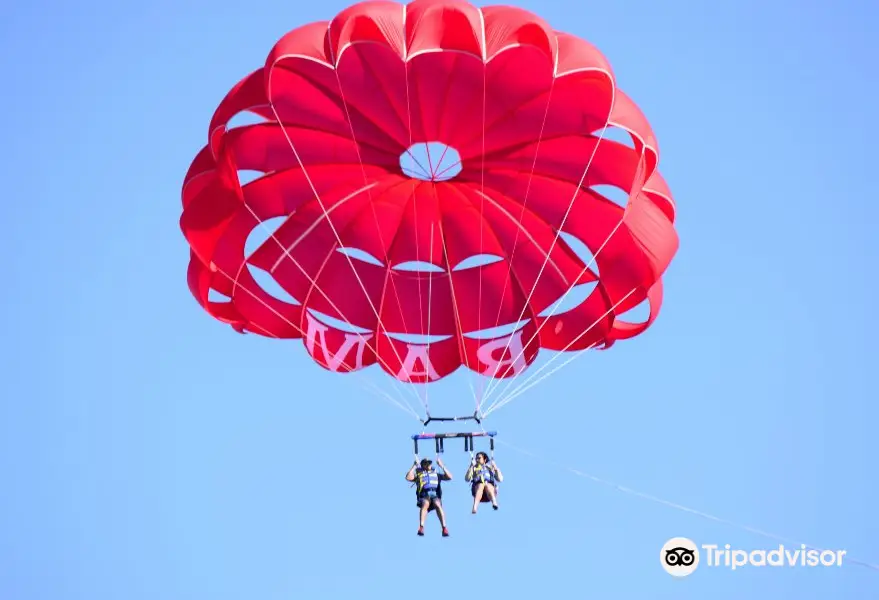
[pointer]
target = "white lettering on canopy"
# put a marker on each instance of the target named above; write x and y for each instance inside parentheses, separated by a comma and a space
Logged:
(516, 358)
(316, 334)
(417, 353)
(416, 364)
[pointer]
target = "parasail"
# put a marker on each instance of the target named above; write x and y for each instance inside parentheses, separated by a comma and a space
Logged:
(435, 165)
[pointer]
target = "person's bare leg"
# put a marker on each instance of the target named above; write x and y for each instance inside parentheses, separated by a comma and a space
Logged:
(477, 498)
(440, 513)
(422, 515)
(492, 495)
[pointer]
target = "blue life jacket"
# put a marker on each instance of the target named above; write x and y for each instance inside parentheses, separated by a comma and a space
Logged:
(428, 481)
(482, 474)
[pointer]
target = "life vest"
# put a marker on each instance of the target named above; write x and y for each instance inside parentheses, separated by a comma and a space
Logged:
(427, 481)
(482, 474)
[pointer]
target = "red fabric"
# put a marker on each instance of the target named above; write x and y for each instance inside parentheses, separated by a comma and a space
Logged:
(524, 107)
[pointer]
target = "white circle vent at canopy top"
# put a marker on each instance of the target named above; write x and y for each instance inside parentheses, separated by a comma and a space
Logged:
(431, 161)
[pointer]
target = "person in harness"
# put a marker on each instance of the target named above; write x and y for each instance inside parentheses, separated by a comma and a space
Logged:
(429, 491)
(483, 477)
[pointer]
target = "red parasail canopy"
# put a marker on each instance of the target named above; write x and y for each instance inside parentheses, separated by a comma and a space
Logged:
(523, 107)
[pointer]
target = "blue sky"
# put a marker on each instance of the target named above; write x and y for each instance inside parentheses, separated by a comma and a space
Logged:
(148, 452)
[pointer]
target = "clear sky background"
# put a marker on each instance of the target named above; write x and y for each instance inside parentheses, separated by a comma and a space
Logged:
(149, 452)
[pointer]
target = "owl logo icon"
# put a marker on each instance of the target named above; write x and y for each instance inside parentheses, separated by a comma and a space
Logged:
(679, 556)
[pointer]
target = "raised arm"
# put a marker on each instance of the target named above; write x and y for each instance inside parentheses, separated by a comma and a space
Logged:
(469, 474)
(410, 476)
(497, 472)
(447, 475)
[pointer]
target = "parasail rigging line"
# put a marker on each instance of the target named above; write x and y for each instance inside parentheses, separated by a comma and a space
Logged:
(680, 507)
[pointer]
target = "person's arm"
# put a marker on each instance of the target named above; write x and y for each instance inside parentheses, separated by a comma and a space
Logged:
(497, 472)
(469, 474)
(410, 476)
(447, 475)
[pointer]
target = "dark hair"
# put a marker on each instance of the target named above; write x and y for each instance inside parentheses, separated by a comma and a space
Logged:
(425, 462)
(483, 454)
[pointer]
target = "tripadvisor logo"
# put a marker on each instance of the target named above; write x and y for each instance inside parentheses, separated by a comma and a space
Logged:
(680, 556)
